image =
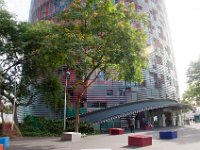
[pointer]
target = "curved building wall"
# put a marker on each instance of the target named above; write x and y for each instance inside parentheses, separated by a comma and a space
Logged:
(46, 9)
(160, 79)
(161, 75)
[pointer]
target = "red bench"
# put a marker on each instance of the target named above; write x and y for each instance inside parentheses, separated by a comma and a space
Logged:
(139, 140)
(116, 131)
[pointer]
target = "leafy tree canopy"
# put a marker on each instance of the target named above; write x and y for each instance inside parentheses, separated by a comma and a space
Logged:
(100, 36)
(89, 37)
(26, 54)
(192, 94)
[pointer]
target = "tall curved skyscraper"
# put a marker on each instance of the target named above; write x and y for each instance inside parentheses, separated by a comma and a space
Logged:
(160, 79)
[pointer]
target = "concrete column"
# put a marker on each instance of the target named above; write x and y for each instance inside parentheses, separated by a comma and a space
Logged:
(173, 119)
(179, 120)
(163, 120)
(145, 114)
(138, 124)
(160, 120)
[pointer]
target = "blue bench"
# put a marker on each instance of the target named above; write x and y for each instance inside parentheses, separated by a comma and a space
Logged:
(168, 134)
(5, 141)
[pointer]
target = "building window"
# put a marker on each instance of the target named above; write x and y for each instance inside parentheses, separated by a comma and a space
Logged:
(138, 7)
(101, 76)
(116, 1)
(169, 80)
(168, 50)
(121, 93)
(97, 105)
(162, 78)
(33, 106)
(109, 92)
(70, 91)
(144, 83)
(103, 105)
(159, 60)
(169, 65)
(157, 44)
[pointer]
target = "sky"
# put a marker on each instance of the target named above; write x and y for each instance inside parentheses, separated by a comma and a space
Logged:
(184, 22)
(19, 8)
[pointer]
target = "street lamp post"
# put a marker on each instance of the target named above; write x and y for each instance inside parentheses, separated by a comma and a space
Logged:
(66, 93)
(13, 113)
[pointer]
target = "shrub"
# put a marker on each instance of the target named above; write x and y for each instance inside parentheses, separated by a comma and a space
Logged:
(86, 128)
(41, 126)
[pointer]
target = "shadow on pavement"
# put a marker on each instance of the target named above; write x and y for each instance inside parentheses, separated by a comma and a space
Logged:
(28, 147)
(130, 147)
(187, 134)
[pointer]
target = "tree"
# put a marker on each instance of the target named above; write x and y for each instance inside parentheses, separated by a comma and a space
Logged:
(192, 94)
(28, 60)
(40, 47)
(7, 28)
(99, 36)
(26, 54)
(94, 36)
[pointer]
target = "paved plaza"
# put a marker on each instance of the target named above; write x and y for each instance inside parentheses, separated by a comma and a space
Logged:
(188, 139)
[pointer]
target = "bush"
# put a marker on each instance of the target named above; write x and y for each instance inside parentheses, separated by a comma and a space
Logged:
(41, 126)
(86, 128)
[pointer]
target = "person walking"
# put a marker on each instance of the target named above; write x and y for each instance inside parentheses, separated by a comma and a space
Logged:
(132, 124)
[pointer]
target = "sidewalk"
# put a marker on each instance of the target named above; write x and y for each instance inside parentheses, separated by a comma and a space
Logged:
(188, 139)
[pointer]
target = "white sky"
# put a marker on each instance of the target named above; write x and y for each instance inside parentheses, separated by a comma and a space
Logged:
(19, 8)
(184, 21)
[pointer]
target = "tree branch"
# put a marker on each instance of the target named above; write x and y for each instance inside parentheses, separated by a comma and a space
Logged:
(93, 80)
(27, 103)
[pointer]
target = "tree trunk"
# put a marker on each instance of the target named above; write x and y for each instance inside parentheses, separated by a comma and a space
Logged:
(2, 116)
(77, 113)
(3, 122)
(15, 117)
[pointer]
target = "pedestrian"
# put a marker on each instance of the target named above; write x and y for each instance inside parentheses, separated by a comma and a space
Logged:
(132, 124)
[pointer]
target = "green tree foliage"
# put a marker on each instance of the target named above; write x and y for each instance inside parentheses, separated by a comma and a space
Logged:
(100, 37)
(41, 60)
(6, 22)
(91, 37)
(40, 126)
(29, 61)
(192, 94)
